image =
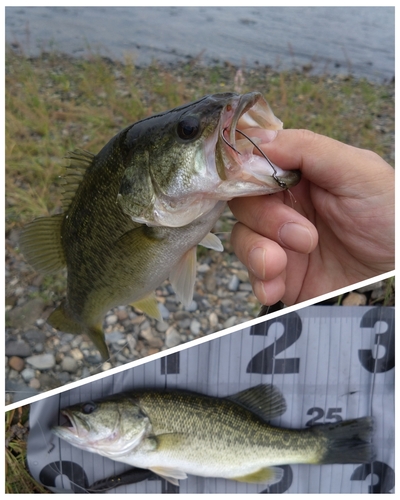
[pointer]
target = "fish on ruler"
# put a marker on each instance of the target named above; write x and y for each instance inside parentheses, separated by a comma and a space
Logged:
(177, 433)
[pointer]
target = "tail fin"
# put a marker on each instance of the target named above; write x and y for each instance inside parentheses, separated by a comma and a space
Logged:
(347, 442)
(62, 320)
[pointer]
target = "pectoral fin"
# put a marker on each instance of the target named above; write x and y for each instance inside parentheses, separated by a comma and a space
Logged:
(170, 475)
(267, 475)
(183, 275)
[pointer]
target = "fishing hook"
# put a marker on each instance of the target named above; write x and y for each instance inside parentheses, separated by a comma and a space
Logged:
(282, 184)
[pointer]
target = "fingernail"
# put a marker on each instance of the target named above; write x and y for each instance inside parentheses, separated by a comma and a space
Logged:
(296, 237)
(257, 262)
(268, 136)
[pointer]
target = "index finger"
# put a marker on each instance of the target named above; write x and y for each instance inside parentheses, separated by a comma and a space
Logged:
(328, 163)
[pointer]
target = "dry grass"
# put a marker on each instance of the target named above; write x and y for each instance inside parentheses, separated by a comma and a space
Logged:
(18, 479)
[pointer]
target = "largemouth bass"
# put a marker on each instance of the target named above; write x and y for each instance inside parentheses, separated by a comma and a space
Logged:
(178, 433)
(135, 212)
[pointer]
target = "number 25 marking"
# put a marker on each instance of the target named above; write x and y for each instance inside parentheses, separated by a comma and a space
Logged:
(332, 414)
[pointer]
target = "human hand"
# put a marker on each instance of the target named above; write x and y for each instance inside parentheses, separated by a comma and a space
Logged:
(338, 230)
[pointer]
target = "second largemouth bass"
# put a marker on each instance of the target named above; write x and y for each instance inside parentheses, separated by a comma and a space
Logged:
(135, 212)
(177, 433)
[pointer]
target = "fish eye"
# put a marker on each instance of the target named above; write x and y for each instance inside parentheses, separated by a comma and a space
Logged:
(88, 408)
(188, 128)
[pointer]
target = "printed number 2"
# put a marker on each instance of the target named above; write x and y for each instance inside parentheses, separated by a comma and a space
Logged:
(265, 361)
(332, 414)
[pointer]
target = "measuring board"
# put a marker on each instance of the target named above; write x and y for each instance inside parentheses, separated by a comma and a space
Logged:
(330, 364)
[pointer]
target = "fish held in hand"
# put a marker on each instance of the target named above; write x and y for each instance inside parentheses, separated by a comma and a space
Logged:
(134, 213)
(178, 433)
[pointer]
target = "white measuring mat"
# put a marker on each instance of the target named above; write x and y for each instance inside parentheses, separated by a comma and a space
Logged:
(330, 363)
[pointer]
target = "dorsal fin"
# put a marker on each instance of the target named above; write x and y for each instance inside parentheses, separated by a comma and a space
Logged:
(78, 162)
(265, 400)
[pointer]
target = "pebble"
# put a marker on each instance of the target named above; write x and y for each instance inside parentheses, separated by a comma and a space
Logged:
(16, 363)
(18, 348)
(203, 268)
(42, 361)
(231, 322)
(191, 307)
(195, 326)
(34, 384)
(172, 337)
(112, 319)
(162, 326)
(355, 299)
(164, 311)
(213, 319)
(28, 374)
(69, 364)
(122, 314)
(233, 283)
(26, 315)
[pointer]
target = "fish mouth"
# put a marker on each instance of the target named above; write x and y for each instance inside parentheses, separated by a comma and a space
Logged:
(242, 128)
(67, 426)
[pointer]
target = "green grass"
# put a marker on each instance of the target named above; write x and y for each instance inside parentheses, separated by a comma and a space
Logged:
(55, 104)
